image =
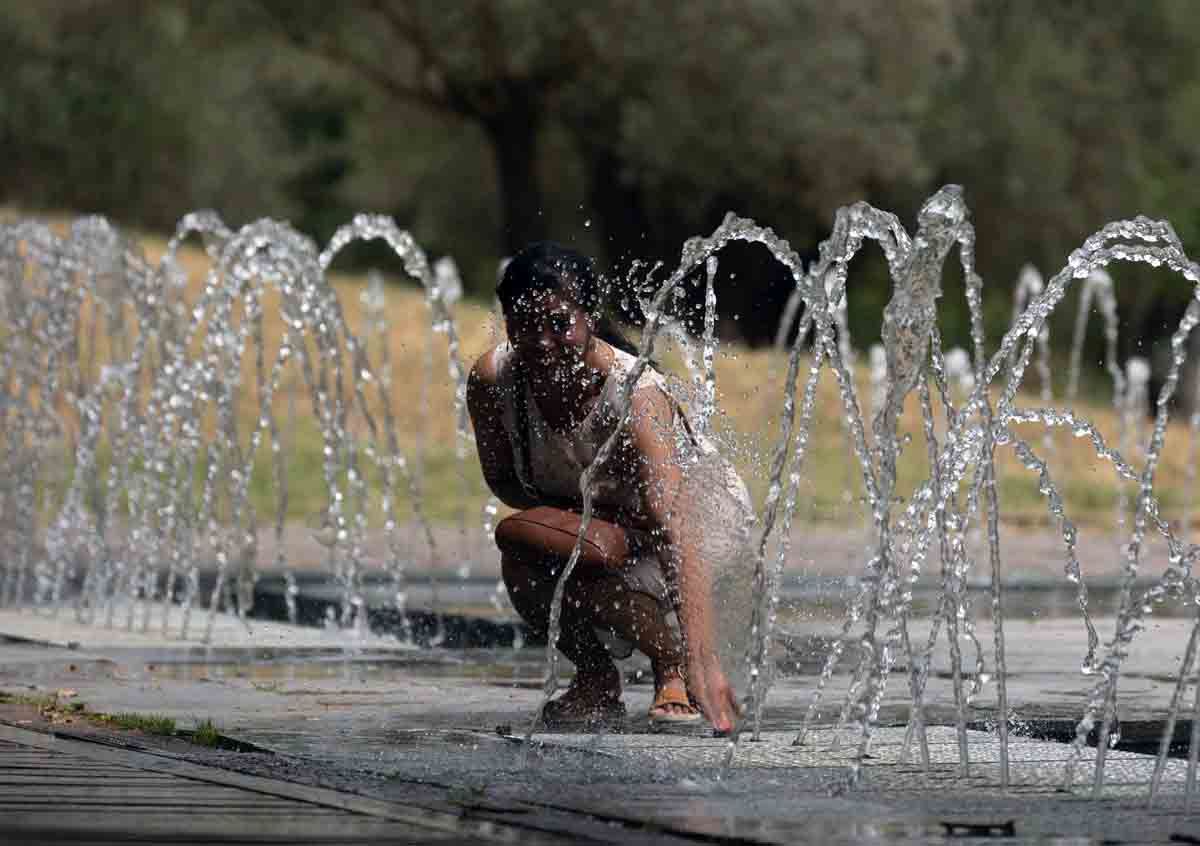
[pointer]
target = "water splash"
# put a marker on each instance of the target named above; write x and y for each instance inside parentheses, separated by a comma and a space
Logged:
(172, 494)
(1029, 285)
(696, 253)
(157, 486)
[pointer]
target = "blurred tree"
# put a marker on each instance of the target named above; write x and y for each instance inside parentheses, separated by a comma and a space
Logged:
(498, 68)
(781, 111)
(486, 123)
(1067, 116)
(673, 112)
(113, 106)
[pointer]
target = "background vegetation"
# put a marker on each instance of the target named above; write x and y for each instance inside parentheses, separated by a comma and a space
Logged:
(623, 127)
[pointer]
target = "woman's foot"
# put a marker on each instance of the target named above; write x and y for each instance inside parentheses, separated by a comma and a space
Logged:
(672, 705)
(593, 699)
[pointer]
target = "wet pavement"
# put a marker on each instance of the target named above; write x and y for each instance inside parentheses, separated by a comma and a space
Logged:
(397, 724)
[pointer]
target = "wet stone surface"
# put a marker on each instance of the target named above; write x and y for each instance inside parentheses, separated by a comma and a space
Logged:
(422, 726)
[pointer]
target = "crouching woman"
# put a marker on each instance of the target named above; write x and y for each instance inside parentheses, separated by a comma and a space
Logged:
(543, 403)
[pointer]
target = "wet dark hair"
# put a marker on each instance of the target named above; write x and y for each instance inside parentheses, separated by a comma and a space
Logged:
(549, 266)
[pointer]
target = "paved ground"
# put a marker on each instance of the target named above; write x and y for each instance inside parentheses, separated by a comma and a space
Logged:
(441, 730)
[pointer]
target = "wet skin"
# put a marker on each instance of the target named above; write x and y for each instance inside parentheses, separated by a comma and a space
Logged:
(566, 367)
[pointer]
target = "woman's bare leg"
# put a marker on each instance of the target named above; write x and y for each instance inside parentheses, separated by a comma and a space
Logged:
(596, 600)
(530, 583)
(636, 617)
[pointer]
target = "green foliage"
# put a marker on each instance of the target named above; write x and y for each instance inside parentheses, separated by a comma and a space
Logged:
(120, 108)
(1066, 116)
(624, 127)
(206, 734)
(39, 701)
(148, 723)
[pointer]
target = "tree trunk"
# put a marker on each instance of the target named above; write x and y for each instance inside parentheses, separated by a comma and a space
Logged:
(616, 200)
(514, 134)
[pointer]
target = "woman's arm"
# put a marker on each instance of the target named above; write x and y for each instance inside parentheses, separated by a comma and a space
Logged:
(666, 503)
(491, 438)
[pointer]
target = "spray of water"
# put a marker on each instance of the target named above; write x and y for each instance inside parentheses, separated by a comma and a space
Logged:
(154, 490)
(159, 482)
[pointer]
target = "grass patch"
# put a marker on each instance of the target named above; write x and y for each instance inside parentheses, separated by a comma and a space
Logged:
(40, 701)
(147, 723)
(59, 709)
(206, 734)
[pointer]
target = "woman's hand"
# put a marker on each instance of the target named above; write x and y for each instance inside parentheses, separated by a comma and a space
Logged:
(708, 686)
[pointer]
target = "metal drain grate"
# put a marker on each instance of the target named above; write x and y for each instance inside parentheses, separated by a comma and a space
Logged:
(60, 796)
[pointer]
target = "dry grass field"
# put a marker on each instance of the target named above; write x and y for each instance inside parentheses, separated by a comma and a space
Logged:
(750, 385)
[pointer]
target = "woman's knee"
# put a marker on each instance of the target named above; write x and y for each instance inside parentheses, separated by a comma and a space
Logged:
(551, 535)
(531, 581)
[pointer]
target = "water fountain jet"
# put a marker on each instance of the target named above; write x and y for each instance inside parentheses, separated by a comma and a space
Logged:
(159, 483)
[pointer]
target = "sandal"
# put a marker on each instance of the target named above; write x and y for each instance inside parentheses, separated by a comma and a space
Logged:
(666, 696)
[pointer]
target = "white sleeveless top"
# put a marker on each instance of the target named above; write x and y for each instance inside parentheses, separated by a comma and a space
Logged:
(713, 502)
(557, 459)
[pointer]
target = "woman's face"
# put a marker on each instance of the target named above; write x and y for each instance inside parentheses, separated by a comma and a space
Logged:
(548, 329)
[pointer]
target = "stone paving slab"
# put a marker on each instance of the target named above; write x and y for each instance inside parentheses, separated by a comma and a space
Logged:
(175, 792)
(1043, 655)
(1032, 763)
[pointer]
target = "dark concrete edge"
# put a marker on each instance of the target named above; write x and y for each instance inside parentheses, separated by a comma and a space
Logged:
(18, 640)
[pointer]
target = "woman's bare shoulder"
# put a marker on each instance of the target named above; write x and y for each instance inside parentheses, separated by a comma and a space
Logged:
(650, 403)
(486, 370)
